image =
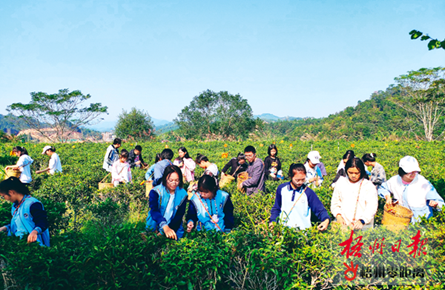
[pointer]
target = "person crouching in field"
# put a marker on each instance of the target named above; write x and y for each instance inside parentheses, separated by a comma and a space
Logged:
(54, 162)
(112, 154)
(150, 171)
(135, 157)
(255, 170)
(236, 164)
(204, 163)
(354, 201)
(412, 190)
(294, 202)
(186, 163)
(158, 172)
(28, 215)
(210, 208)
(121, 172)
(378, 175)
(167, 203)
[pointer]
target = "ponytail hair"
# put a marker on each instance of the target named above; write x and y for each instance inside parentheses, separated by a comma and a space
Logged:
(200, 158)
(369, 157)
(20, 149)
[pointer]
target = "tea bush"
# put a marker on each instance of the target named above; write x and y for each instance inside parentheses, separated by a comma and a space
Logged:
(98, 239)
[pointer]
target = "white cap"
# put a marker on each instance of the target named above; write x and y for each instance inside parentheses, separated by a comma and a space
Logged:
(45, 149)
(409, 164)
(314, 157)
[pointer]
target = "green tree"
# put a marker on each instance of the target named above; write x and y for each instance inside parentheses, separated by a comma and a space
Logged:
(135, 124)
(422, 95)
(432, 43)
(219, 115)
(62, 113)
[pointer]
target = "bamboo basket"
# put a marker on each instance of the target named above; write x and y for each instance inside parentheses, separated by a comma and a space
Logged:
(396, 216)
(148, 187)
(226, 180)
(103, 185)
(243, 176)
(12, 172)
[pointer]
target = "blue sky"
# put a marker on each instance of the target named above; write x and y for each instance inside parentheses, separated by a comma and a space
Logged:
(288, 58)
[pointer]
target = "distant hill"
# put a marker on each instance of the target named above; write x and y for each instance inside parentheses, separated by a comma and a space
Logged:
(272, 118)
(374, 118)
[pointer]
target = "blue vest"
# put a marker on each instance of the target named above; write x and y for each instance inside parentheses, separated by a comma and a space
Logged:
(23, 224)
(214, 206)
(164, 197)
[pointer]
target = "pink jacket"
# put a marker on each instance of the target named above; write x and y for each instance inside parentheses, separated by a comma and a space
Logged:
(187, 168)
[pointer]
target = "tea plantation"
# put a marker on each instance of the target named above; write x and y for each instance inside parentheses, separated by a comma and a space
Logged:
(96, 240)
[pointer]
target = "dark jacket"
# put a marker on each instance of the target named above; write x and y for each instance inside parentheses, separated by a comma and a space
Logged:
(270, 163)
(132, 158)
(233, 165)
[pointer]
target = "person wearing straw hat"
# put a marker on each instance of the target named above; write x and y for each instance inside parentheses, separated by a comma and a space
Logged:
(314, 177)
(210, 208)
(411, 190)
(167, 203)
(54, 162)
(28, 215)
(354, 201)
(23, 164)
(294, 202)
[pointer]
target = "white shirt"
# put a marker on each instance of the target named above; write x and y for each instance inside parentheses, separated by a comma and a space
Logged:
(344, 200)
(54, 164)
(212, 169)
(24, 164)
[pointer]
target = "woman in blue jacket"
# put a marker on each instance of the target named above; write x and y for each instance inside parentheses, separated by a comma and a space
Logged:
(294, 201)
(210, 208)
(28, 215)
(167, 204)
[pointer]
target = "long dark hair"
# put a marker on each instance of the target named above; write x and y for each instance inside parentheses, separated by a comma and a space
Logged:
(272, 146)
(168, 171)
(13, 183)
(183, 149)
(22, 150)
(349, 154)
(357, 163)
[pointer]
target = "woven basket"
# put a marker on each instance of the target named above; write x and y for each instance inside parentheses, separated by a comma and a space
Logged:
(12, 172)
(103, 185)
(243, 176)
(148, 187)
(226, 180)
(396, 216)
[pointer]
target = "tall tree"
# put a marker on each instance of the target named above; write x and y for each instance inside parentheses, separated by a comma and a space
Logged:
(62, 113)
(422, 95)
(135, 124)
(213, 115)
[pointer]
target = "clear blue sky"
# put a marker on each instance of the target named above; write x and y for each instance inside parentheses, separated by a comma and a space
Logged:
(296, 58)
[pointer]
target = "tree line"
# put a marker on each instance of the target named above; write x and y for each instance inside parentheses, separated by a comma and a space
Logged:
(413, 107)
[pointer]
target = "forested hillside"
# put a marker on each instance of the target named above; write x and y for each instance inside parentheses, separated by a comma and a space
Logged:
(376, 118)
